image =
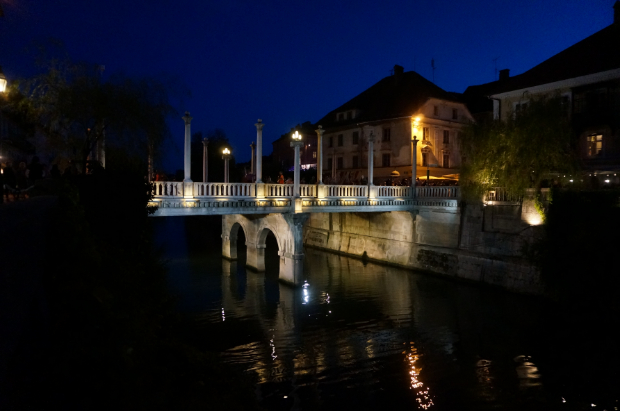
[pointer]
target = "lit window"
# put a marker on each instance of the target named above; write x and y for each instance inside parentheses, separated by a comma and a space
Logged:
(595, 145)
(314, 154)
(426, 133)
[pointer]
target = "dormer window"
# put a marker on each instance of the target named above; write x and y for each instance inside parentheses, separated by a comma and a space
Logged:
(340, 116)
(435, 110)
(455, 113)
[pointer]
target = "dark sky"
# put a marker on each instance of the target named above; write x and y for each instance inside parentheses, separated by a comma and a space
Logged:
(287, 62)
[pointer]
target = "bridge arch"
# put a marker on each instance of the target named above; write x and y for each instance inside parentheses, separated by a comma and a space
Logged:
(287, 228)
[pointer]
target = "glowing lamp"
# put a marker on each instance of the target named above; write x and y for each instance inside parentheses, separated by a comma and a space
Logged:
(3, 81)
(296, 136)
(226, 152)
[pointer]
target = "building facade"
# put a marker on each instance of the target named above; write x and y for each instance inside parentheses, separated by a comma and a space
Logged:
(387, 112)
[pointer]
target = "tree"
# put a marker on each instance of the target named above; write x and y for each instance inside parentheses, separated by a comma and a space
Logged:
(519, 153)
(72, 105)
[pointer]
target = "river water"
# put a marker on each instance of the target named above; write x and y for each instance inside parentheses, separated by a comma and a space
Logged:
(368, 336)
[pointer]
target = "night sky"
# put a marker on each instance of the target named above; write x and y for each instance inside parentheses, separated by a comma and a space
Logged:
(287, 62)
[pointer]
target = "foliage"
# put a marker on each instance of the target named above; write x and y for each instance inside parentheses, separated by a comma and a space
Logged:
(75, 108)
(518, 153)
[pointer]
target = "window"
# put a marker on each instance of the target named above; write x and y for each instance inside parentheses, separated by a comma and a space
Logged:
(426, 133)
(340, 116)
(356, 162)
(435, 110)
(340, 164)
(330, 163)
(346, 115)
(455, 114)
(424, 159)
(356, 137)
(314, 154)
(446, 160)
(340, 140)
(446, 136)
(349, 115)
(386, 134)
(385, 160)
(595, 145)
(331, 141)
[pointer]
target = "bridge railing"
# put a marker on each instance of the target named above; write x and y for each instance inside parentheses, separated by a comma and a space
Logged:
(394, 191)
(278, 190)
(346, 191)
(167, 189)
(229, 190)
(437, 192)
(307, 190)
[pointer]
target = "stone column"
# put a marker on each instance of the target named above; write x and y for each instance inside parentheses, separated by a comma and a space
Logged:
(259, 150)
(319, 155)
(296, 145)
(205, 160)
(371, 157)
(226, 157)
(414, 162)
(187, 181)
(252, 170)
(292, 259)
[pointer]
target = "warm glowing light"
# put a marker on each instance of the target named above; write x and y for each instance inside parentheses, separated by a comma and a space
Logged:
(570, 181)
(423, 397)
(296, 136)
(3, 81)
(226, 151)
(607, 181)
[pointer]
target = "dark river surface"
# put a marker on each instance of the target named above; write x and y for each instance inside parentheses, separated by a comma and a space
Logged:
(368, 336)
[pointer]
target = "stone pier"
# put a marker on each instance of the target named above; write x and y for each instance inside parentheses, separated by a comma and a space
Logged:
(288, 230)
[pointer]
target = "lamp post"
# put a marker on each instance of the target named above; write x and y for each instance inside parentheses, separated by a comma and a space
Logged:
(414, 153)
(252, 171)
(427, 147)
(319, 155)
(296, 143)
(259, 150)
(226, 157)
(205, 160)
(371, 156)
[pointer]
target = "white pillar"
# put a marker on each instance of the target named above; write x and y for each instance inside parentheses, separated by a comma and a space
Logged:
(205, 160)
(296, 145)
(226, 157)
(259, 150)
(371, 156)
(414, 161)
(319, 155)
(188, 147)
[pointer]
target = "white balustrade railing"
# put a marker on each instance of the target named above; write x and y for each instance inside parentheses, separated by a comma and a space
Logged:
(167, 189)
(229, 190)
(307, 190)
(437, 192)
(347, 191)
(394, 191)
(278, 190)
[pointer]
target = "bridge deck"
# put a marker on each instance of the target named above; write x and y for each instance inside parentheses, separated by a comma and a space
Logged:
(177, 198)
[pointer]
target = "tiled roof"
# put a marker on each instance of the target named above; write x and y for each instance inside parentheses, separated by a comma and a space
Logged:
(399, 95)
(597, 53)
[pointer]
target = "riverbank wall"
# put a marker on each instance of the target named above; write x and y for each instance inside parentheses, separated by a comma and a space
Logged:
(471, 242)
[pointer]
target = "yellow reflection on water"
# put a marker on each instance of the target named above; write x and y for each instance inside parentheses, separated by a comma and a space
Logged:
(423, 396)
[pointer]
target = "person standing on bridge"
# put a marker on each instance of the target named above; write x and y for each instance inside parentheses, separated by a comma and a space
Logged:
(281, 178)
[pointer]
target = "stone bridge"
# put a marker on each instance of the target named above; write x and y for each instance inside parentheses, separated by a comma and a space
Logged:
(262, 208)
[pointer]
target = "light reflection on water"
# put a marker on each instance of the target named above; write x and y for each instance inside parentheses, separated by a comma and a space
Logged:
(365, 336)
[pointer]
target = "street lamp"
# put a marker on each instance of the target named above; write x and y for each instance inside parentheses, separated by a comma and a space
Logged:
(226, 157)
(296, 143)
(3, 81)
(414, 152)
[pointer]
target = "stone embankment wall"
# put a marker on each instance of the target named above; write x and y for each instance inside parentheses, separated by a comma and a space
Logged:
(476, 242)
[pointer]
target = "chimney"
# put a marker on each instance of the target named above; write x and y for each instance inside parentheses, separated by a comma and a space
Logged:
(504, 74)
(398, 72)
(617, 12)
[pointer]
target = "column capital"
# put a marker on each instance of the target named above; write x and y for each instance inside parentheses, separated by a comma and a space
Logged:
(205, 142)
(320, 131)
(187, 118)
(371, 137)
(253, 145)
(259, 125)
(297, 143)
